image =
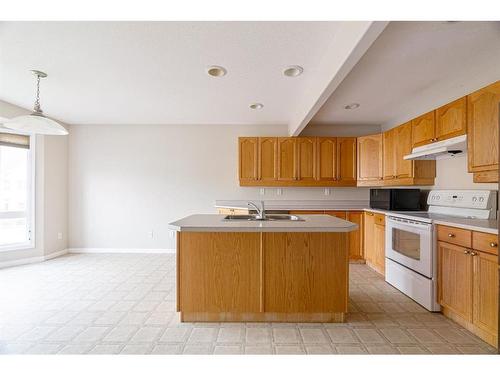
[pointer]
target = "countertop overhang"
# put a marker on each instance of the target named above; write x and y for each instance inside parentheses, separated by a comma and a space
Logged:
(216, 223)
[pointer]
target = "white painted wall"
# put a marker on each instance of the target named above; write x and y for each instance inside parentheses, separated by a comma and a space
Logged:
(452, 174)
(125, 181)
(322, 130)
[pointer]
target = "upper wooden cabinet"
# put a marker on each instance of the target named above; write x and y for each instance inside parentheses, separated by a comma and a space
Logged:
(287, 159)
(297, 161)
(248, 161)
(445, 122)
(389, 155)
(327, 159)
(397, 143)
(423, 129)
(306, 153)
(268, 149)
(369, 158)
(402, 146)
(451, 119)
(346, 159)
(482, 133)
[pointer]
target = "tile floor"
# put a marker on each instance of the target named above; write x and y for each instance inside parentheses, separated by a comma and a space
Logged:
(125, 303)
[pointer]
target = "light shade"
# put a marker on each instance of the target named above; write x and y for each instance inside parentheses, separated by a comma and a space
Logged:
(36, 124)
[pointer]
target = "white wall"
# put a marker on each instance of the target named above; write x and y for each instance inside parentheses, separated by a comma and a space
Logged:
(125, 181)
(323, 130)
(452, 174)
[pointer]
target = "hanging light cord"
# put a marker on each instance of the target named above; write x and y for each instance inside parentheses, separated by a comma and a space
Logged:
(37, 101)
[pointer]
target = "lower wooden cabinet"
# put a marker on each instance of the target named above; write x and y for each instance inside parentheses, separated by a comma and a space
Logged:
(455, 279)
(356, 237)
(468, 288)
(374, 241)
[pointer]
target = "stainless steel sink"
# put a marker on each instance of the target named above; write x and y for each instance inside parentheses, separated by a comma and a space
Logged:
(267, 218)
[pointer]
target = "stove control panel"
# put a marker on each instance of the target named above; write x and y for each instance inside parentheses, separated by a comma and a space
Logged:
(478, 199)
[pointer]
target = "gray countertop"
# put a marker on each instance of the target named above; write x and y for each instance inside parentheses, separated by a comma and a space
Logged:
(487, 226)
(216, 223)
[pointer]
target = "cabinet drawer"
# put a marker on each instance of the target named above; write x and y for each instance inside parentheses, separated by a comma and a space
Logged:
(455, 236)
(486, 242)
(379, 219)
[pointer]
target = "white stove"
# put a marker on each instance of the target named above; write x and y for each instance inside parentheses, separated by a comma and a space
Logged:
(410, 243)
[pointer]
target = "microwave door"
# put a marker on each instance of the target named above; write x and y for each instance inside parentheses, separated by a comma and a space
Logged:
(410, 245)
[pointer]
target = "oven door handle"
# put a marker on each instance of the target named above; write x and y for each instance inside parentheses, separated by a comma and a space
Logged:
(408, 222)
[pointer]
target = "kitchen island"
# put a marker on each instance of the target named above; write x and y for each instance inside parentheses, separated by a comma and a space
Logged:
(262, 271)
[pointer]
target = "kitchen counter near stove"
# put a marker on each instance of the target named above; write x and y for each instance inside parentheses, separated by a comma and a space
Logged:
(487, 226)
(479, 225)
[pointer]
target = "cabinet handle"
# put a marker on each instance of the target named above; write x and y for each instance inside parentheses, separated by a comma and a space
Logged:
(451, 235)
(493, 244)
(466, 252)
(473, 253)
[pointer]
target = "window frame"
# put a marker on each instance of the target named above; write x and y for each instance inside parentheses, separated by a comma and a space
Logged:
(31, 197)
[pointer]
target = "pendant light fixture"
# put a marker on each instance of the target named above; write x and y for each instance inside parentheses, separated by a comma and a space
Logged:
(36, 122)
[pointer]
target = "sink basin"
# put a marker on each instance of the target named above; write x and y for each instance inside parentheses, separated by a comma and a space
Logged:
(268, 218)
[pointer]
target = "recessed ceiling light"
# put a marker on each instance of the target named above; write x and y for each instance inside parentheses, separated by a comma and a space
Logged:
(352, 106)
(293, 71)
(216, 71)
(256, 106)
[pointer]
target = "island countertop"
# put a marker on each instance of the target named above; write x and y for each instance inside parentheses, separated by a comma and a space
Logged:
(216, 223)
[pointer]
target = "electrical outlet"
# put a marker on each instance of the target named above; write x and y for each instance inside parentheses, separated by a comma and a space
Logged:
(262, 191)
(327, 191)
(150, 234)
(279, 191)
(59, 236)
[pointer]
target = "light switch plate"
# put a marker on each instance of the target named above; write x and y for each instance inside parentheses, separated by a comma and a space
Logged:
(327, 191)
(262, 191)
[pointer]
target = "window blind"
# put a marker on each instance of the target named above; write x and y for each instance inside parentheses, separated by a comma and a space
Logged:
(14, 140)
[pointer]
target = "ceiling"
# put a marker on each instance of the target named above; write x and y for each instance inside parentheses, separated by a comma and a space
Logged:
(412, 68)
(155, 72)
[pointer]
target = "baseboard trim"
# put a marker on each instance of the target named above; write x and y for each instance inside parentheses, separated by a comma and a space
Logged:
(31, 260)
(106, 250)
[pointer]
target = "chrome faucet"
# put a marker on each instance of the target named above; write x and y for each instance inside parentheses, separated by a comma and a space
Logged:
(261, 212)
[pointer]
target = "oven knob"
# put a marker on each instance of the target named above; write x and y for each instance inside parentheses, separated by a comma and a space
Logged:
(481, 199)
(474, 199)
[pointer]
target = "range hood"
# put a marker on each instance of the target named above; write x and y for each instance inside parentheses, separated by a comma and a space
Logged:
(439, 150)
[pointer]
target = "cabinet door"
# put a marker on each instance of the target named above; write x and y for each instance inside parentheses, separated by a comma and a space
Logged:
(248, 154)
(423, 129)
(451, 119)
(327, 159)
(402, 141)
(287, 159)
(346, 159)
(388, 155)
(379, 251)
(370, 157)
(355, 237)
(455, 279)
(482, 128)
(485, 292)
(306, 152)
(368, 234)
(268, 158)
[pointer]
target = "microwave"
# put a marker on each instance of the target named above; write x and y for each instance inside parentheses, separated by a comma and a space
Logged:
(395, 199)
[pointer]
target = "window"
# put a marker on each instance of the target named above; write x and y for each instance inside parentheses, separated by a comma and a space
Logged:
(15, 191)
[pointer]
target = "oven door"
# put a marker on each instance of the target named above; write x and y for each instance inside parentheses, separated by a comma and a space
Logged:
(409, 243)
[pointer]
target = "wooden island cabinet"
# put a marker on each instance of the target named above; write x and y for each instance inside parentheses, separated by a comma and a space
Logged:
(267, 272)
